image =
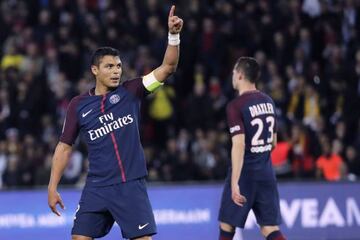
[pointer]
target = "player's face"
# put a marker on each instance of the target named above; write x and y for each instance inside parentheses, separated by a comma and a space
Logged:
(108, 72)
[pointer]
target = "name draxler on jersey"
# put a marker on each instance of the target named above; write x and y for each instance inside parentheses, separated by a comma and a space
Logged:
(261, 109)
(110, 125)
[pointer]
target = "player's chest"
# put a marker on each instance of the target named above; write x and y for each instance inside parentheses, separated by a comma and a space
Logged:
(114, 110)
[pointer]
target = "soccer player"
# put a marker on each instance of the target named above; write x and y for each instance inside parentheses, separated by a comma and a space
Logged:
(107, 118)
(251, 182)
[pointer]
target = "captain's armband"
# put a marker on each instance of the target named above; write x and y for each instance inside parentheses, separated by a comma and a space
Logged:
(150, 82)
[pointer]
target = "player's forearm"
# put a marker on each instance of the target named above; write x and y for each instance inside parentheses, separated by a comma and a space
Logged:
(171, 58)
(237, 161)
(169, 64)
(60, 160)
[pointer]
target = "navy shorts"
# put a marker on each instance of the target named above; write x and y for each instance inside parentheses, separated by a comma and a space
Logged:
(262, 197)
(126, 203)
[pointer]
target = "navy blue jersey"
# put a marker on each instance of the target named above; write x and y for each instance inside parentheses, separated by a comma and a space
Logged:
(253, 114)
(109, 124)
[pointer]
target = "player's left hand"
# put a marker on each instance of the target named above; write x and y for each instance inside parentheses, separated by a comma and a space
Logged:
(174, 22)
(238, 199)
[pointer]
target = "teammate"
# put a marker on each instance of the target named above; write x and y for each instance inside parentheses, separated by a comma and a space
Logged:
(107, 118)
(251, 182)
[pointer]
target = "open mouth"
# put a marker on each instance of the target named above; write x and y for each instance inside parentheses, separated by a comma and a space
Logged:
(115, 78)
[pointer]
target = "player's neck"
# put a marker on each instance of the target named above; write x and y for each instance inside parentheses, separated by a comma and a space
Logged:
(247, 88)
(101, 89)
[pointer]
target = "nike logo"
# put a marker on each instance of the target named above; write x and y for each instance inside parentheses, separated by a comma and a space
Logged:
(85, 114)
(78, 208)
(142, 226)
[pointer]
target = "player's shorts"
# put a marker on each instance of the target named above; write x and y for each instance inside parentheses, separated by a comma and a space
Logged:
(126, 203)
(261, 196)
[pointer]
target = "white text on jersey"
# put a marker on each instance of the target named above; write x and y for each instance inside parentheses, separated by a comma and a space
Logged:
(109, 126)
(261, 109)
(107, 117)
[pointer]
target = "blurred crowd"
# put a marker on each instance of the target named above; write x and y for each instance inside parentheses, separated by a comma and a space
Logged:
(309, 52)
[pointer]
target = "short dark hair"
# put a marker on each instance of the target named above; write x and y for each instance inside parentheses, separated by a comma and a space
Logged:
(101, 52)
(250, 67)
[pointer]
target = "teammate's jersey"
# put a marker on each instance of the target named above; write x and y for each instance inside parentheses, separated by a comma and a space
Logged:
(109, 124)
(253, 114)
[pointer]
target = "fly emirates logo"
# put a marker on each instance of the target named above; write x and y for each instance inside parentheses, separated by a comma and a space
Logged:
(110, 124)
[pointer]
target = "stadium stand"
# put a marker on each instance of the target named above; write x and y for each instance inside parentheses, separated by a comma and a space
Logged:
(309, 52)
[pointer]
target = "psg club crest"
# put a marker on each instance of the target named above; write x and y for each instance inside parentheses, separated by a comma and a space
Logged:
(114, 99)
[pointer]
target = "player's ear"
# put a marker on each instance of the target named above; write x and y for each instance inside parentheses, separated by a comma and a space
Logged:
(241, 75)
(94, 70)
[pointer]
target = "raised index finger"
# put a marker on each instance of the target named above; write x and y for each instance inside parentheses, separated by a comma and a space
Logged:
(172, 11)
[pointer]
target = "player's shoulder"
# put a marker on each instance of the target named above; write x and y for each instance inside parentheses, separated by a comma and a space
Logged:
(261, 97)
(266, 96)
(240, 100)
(135, 87)
(232, 104)
(80, 96)
(132, 82)
(74, 102)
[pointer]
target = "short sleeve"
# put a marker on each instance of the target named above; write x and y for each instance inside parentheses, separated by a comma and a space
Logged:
(234, 119)
(136, 87)
(70, 127)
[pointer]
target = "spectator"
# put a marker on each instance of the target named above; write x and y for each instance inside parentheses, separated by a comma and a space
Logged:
(162, 112)
(329, 165)
(280, 159)
(301, 159)
(198, 112)
(308, 52)
(353, 163)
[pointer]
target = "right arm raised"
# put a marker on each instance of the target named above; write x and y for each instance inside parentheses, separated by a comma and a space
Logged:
(59, 162)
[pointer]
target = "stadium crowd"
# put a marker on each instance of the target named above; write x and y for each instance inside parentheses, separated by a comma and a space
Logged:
(309, 52)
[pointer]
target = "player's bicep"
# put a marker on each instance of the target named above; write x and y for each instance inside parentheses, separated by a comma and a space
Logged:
(161, 73)
(168, 65)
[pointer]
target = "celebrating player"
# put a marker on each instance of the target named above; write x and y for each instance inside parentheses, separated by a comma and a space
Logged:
(251, 182)
(107, 118)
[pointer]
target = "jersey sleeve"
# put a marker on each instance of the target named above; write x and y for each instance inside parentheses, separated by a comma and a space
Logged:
(136, 87)
(234, 119)
(70, 128)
